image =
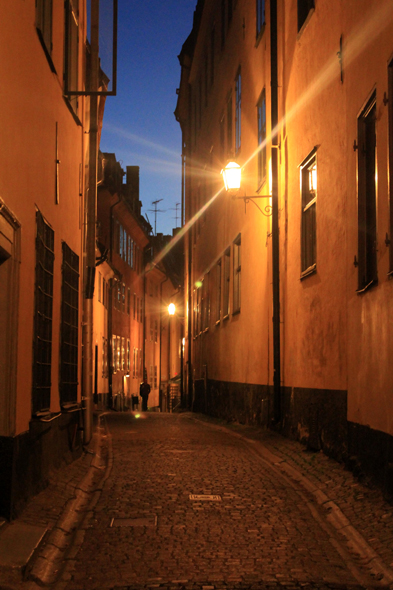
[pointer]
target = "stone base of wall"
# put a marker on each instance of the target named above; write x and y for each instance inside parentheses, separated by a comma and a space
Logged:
(27, 460)
(315, 417)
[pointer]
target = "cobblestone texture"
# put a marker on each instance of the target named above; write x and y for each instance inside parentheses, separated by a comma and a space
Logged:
(261, 532)
(266, 533)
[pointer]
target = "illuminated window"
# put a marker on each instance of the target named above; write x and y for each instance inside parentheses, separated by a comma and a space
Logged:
(114, 354)
(236, 274)
(128, 356)
(367, 206)
(303, 9)
(260, 16)
(308, 176)
(227, 260)
(71, 51)
(238, 110)
(42, 348)
(128, 300)
(261, 111)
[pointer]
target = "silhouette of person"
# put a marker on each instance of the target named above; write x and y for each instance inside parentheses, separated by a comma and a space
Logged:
(144, 391)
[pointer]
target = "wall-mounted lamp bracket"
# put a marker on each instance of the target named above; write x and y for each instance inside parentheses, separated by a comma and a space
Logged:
(266, 211)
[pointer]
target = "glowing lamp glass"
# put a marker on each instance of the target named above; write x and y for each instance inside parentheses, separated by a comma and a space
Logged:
(232, 174)
(171, 309)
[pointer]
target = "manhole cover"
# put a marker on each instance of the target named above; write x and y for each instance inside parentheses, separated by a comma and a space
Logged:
(139, 521)
(205, 497)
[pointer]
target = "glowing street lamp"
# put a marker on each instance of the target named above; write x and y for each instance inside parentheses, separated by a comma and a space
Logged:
(171, 309)
(232, 175)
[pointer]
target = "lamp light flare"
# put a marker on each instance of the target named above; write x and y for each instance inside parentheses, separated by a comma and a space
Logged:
(232, 176)
(171, 309)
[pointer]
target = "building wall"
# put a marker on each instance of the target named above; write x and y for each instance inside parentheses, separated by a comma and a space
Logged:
(38, 128)
(336, 339)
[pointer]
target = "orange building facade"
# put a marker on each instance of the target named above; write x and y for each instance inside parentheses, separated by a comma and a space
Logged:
(44, 167)
(300, 95)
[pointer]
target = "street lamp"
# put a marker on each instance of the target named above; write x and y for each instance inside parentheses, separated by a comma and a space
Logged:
(171, 309)
(232, 175)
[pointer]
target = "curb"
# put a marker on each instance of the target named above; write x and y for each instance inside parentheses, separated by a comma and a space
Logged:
(46, 563)
(355, 542)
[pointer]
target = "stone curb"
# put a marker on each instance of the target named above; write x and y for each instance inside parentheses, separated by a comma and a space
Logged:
(356, 543)
(46, 563)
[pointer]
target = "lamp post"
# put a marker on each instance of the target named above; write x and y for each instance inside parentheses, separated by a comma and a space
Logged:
(232, 181)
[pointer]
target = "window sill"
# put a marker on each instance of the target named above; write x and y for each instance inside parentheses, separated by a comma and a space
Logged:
(260, 35)
(309, 271)
(236, 311)
(218, 322)
(226, 317)
(367, 287)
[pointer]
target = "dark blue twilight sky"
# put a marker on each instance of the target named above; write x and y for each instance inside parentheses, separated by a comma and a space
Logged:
(139, 124)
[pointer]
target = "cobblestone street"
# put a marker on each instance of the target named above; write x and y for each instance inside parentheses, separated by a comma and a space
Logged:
(188, 503)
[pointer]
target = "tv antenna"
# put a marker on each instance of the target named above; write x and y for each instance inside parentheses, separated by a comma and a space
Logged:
(155, 211)
(176, 208)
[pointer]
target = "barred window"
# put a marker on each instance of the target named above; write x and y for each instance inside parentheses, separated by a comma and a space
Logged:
(69, 327)
(42, 356)
(237, 268)
(227, 259)
(43, 23)
(71, 51)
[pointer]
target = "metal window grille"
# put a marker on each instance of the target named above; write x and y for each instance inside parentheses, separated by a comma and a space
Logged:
(237, 267)
(71, 51)
(69, 326)
(43, 316)
(227, 260)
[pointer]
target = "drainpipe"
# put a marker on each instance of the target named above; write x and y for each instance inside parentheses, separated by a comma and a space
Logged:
(275, 213)
(90, 239)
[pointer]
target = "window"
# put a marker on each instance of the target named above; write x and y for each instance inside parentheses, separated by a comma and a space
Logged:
(367, 207)
(137, 309)
(227, 259)
(99, 286)
(134, 363)
(43, 23)
(123, 297)
(261, 110)
(128, 356)
(155, 377)
(218, 291)
(119, 351)
(128, 300)
(155, 331)
(134, 314)
(390, 107)
(43, 315)
(229, 124)
(71, 51)
(303, 9)
(308, 178)
(260, 16)
(122, 355)
(206, 297)
(222, 137)
(151, 329)
(238, 93)
(69, 327)
(114, 354)
(236, 273)
(141, 310)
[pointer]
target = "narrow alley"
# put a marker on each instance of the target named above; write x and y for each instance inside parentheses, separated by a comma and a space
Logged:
(184, 502)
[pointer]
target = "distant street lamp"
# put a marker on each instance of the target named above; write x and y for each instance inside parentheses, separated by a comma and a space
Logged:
(171, 309)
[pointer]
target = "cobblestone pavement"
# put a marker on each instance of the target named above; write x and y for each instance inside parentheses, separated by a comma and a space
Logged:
(189, 504)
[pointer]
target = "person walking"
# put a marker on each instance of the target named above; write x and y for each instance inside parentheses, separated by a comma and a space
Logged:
(144, 391)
